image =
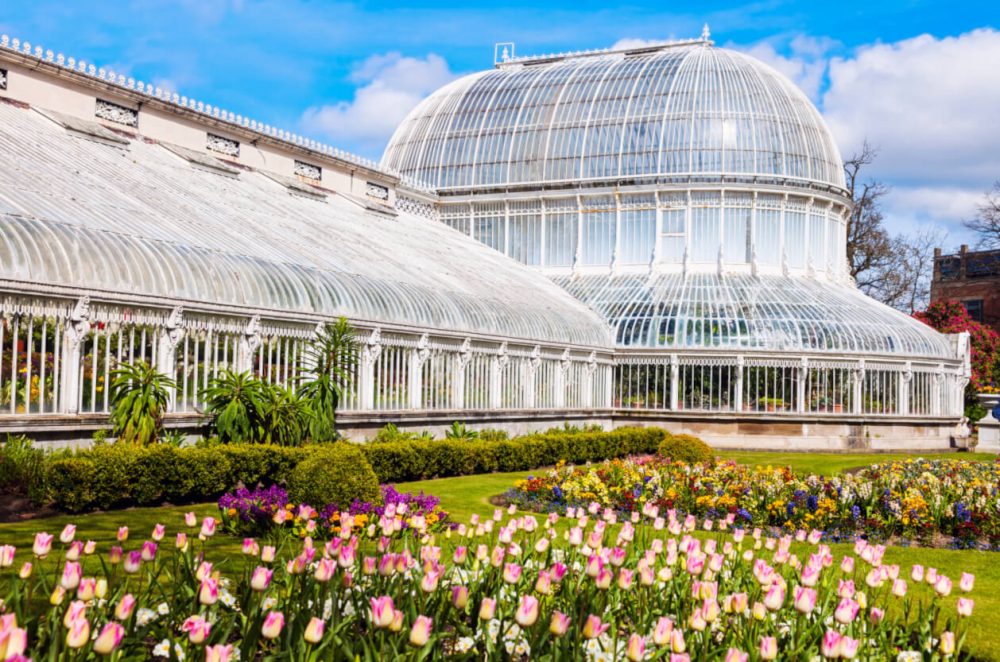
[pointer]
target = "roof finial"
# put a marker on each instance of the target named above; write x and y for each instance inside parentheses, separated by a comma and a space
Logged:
(706, 35)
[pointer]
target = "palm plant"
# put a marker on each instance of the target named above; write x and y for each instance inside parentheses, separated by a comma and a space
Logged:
(284, 416)
(139, 396)
(234, 399)
(460, 431)
(330, 362)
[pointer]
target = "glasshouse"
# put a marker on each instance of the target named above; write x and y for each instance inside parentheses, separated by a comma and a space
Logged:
(620, 237)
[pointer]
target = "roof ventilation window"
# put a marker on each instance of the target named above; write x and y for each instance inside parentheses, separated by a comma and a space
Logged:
(308, 170)
(3, 79)
(85, 128)
(226, 146)
(203, 161)
(112, 112)
(297, 186)
(377, 192)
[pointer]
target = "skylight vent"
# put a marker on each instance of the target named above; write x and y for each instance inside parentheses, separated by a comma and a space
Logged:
(297, 186)
(203, 161)
(86, 129)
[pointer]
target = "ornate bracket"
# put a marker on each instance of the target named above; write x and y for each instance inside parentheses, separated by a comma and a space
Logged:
(423, 349)
(592, 363)
(79, 322)
(564, 360)
(465, 353)
(175, 326)
(373, 346)
(502, 357)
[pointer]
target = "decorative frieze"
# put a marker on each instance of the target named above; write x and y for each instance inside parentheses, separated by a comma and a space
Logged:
(308, 170)
(416, 208)
(112, 112)
(377, 192)
(226, 146)
(3, 79)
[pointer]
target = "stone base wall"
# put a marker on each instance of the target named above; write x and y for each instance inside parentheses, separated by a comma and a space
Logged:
(779, 433)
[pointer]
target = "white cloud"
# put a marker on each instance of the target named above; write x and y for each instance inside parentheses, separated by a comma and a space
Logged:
(910, 208)
(629, 43)
(390, 85)
(805, 64)
(930, 105)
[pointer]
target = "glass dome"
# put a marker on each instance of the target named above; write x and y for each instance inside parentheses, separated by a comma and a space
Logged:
(668, 114)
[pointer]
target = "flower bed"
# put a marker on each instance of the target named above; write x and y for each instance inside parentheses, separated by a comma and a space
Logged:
(509, 586)
(263, 510)
(913, 499)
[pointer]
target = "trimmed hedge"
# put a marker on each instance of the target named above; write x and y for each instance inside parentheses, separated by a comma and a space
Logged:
(118, 475)
(400, 461)
(686, 448)
(336, 474)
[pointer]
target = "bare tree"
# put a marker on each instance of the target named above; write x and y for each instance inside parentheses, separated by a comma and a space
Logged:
(869, 246)
(895, 270)
(986, 222)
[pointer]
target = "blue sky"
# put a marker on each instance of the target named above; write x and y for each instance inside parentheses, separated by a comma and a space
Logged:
(920, 79)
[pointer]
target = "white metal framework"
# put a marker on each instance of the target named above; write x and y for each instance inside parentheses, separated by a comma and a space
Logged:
(693, 197)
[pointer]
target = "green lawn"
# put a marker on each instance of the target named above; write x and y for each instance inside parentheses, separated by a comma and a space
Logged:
(466, 495)
(831, 464)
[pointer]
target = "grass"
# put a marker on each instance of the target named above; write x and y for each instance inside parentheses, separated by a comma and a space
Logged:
(466, 495)
(832, 464)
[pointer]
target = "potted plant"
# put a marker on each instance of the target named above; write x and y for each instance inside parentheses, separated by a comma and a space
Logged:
(773, 404)
(989, 397)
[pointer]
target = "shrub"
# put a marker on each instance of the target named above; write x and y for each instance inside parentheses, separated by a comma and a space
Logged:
(686, 448)
(329, 362)
(22, 468)
(419, 459)
(460, 431)
(139, 396)
(334, 474)
(233, 399)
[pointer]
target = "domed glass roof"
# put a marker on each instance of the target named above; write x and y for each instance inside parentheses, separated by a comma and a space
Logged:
(753, 313)
(687, 111)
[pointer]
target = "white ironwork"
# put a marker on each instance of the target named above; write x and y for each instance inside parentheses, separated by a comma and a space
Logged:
(116, 113)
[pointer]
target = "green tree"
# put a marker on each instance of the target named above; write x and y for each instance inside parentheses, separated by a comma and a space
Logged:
(139, 397)
(330, 362)
(234, 400)
(284, 416)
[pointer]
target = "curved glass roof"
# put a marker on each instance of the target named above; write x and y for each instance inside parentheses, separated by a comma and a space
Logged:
(672, 113)
(743, 312)
(143, 221)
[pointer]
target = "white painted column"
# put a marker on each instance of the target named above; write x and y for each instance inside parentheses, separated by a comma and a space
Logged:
(903, 394)
(675, 373)
(169, 338)
(416, 359)
(458, 364)
(529, 370)
(588, 381)
(857, 382)
(738, 400)
(559, 383)
(497, 364)
(77, 328)
(800, 385)
(370, 352)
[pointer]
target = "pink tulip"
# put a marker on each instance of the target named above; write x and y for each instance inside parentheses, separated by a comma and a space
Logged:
(943, 586)
(325, 570)
(899, 588)
(261, 578)
(695, 564)
(197, 628)
(677, 643)
(768, 648)
(122, 533)
(559, 624)
(810, 575)
(148, 550)
(43, 545)
(133, 561)
(219, 652)
(635, 649)
(594, 628)
(848, 647)
(181, 541)
(207, 527)
(736, 655)
(460, 596)
(420, 633)
(68, 533)
(511, 573)
(527, 611)
(71, 575)
(966, 582)
(159, 531)
(7, 556)
(830, 646)
(314, 631)
(846, 611)
(917, 573)
(87, 589)
(805, 599)
(267, 553)
(487, 609)
(947, 645)
(125, 607)
(13, 642)
(78, 633)
(845, 589)
(775, 597)
(965, 606)
(272, 625)
(847, 565)
(383, 611)
(208, 593)
(603, 579)
(876, 615)
(74, 550)
(250, 547)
